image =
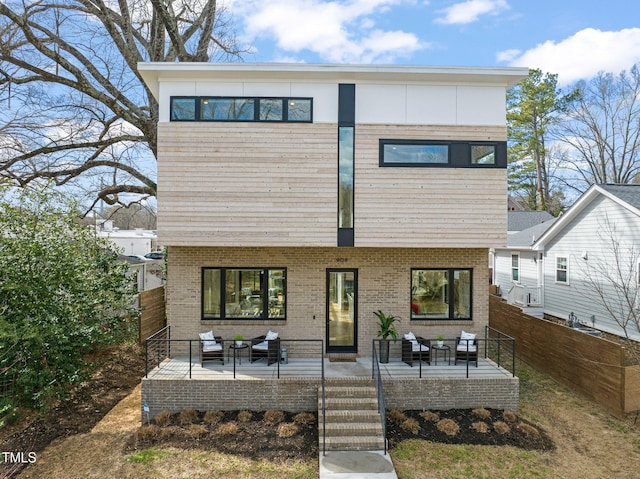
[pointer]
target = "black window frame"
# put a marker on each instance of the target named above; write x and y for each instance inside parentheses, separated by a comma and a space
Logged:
(450, 295)
(459, 153)
(265, 300)
(197, 117)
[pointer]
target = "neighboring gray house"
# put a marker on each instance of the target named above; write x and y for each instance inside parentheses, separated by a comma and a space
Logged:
(546, 266)
(522, 220)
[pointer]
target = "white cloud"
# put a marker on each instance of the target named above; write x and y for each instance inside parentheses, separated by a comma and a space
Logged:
(470, 11)
(337, 31)
(582, 55)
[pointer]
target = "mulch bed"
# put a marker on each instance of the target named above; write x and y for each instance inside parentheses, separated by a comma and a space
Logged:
(497, 431)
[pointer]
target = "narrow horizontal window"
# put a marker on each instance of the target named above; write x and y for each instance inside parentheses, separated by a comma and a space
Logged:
(243, 293)
(443, 154)
(241, 109)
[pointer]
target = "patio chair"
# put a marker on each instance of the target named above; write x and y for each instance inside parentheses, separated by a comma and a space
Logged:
(211, 348)
(466, 348)
(415, 348)
(267, 346)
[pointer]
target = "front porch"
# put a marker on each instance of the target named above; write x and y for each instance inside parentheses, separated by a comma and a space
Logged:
(181, 382)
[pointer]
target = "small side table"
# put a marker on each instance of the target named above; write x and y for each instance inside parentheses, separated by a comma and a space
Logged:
(237, 351)
(446, 353)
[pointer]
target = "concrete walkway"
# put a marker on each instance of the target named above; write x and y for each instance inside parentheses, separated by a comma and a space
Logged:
(356, 465)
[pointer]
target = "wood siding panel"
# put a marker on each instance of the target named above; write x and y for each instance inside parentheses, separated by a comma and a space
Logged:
(427, 207)
(247, 184)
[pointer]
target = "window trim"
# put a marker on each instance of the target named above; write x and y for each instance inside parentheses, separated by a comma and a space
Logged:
(459, 153)
(566, 270)
(517, 268)
(450, 295)
(256, 109)
(265, 300)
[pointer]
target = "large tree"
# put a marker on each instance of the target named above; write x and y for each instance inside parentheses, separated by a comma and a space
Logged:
(533, 108)
(602, 129)
(74, 108)
(62, 292)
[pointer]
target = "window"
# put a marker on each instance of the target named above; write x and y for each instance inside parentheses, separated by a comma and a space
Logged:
(455, 154)
(441, 294)
(562, 269)
(515, 267)
(243, 293)
(241, 109)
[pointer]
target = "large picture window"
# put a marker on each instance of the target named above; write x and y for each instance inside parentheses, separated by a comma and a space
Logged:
(243, 293)
(441, 293)
(201, 108)
(442, 154)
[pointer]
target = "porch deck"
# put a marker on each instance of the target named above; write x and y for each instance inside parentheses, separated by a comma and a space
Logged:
(178, 368)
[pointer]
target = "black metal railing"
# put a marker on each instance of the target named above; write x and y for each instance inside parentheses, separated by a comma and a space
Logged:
(382, 407)
(500, 348)
(160, 346)
(157, 348)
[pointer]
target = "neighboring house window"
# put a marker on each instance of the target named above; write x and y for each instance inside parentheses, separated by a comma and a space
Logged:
(515, 267)
(562, 269)
(432, 153)
(441, 293)
(243, 293)
(291, 110)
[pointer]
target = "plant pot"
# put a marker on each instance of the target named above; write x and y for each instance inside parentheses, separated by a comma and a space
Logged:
(384, 351)
(440, 343)
(238, 342)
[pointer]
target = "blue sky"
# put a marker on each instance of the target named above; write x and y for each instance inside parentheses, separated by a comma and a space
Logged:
(573, 38)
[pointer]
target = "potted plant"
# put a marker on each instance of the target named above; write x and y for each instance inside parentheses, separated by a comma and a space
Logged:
(387, 327)
(440, 341)
(238, 338)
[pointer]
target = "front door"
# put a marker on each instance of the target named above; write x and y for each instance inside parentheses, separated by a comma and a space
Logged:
(342, 310)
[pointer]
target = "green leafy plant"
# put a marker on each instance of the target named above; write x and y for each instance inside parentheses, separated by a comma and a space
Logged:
(386, 324)
(440, 338)
(238, 337)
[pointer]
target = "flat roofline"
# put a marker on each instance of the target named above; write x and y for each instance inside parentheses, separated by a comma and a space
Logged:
(155, 72)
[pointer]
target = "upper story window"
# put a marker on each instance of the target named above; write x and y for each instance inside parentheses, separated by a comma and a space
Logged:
(456, 154)
(515, 267)
(202, 108)
(562, 269)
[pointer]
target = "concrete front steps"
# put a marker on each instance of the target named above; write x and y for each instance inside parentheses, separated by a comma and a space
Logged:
(352, 418)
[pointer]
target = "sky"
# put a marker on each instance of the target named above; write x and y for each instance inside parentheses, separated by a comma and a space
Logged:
(575, 39)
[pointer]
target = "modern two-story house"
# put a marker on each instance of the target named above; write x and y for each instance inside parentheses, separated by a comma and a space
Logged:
(302, 198)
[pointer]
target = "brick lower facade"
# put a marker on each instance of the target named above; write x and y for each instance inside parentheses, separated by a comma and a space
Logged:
(296, 395)
(384, 283)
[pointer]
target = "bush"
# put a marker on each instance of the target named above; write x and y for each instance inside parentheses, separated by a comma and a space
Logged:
(411, 425)
(213, 417)
(397, 416)
(147, 434)
(482, 413)
(527, 430)
(163, 418)
(448, 426)
(287, 429)
(227, 429)
(481, 427)
(510, 416)
(187, 417)
(305, 418)
(245, 416)
(197, 431)
(501, 427)
(272, 417)
(430, 416)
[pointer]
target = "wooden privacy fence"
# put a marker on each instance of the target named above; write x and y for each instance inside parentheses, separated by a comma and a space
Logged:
(592, 366)
(153, 317)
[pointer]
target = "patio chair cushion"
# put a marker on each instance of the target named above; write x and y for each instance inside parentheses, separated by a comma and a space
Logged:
(271, 335)
(410, 336)
(263, 346)
(415, 346)
(467, 342)
(209, 341)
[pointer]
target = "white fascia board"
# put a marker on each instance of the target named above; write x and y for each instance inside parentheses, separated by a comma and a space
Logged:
(154, 72)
